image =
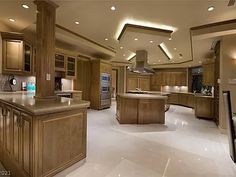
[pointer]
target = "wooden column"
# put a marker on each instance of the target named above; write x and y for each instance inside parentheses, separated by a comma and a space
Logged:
(45, 49)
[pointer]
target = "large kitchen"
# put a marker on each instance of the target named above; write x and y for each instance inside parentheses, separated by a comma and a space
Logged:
(117, 88)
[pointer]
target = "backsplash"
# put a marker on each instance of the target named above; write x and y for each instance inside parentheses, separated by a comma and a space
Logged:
(4, 84)
(174, 89)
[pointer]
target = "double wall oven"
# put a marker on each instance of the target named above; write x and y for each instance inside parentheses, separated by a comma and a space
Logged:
(105, 90)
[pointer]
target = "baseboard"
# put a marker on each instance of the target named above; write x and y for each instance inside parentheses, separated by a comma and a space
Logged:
(222, 130)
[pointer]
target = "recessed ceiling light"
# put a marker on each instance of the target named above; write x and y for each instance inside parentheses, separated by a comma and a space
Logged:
(151, 41)
(170, 39)
(11, 19)
(211, 8)
(175, 49)
(25, 6)
(159, 60)
(113, 8)
(123, 55)
(121, 47)
(106, 39)
(76, 22)
(135, 39)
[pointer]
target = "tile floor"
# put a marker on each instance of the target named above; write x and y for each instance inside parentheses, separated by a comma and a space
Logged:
(183, 147)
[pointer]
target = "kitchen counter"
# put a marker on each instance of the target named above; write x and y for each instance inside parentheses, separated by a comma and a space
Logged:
(41, 137)
(140, 108)
(141, 96)
(67, 91)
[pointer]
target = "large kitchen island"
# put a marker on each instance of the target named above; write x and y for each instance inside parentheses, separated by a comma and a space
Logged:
(140, 108)
(41, 137)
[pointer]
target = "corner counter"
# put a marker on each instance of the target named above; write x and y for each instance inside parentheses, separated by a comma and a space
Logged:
(41, 137)
(140, 108)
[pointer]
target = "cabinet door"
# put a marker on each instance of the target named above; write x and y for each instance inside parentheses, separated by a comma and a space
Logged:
(27, 58)
(144, 83)
(12, 56)
(26, 129)
(8, 130)
(60, 64)
(71, 67)
(16, 135)
(132, 83)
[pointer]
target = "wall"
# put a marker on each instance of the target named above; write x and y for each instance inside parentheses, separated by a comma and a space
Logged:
(67, 84)
(174, 88)
(227, 71)
(4, 86)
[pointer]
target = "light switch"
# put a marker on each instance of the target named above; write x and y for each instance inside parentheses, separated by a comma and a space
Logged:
(48, 77)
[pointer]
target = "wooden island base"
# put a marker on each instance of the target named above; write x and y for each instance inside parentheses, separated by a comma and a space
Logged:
(140, 109)
(39, 139)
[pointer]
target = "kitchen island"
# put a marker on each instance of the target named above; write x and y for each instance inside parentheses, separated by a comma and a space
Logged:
(41, 137)
(140, 108)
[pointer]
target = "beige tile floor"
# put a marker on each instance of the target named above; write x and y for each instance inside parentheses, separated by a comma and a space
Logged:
(183, 147)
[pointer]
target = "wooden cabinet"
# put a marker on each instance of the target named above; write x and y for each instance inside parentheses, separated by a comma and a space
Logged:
(41, 145)
(71, 67)
(83, 78)
(169, 78)
(77, 95)
(204, 107)
(60, 62)
(17, 55)
(137, 81)
(99, 99)
(184, 99)
(208, 73)
(12, 56)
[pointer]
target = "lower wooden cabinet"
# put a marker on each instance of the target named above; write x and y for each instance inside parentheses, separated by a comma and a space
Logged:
(41, 145)
(204, 107)
(184, 99)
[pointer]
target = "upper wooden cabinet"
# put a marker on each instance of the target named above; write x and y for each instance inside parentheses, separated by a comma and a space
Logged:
(71, 67)
(60, 62)
(17, 55)
(164, 78)
(137, 81)
(208, 73)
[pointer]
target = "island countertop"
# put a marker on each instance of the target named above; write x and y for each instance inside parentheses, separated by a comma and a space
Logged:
(27, 102)
(142, 96)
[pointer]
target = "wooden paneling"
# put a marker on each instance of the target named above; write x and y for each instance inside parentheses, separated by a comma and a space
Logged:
(140, 111)
(83, 78)
(151, 111)
(127, 110)
(16, 136)
(45, 55)
(208, 73)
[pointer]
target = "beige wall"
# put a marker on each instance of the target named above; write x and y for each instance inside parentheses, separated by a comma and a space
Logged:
(227, 71)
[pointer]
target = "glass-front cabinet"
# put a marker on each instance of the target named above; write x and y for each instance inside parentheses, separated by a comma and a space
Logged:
(27, 58)
(71, 67)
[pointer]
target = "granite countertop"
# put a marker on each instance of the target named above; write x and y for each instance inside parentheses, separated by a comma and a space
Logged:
(141, 96)
(149, 92)
(67, 91)
(27, 102)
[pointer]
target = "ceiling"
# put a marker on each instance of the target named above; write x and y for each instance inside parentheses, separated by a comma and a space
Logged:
(98, 22)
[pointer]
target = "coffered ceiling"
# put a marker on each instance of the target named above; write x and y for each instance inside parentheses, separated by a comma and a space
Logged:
(99, 23)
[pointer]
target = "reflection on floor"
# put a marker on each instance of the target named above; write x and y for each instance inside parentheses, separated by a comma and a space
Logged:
(184, 147)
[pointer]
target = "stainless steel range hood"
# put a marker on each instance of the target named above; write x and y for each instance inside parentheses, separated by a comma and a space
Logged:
(141, 65)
